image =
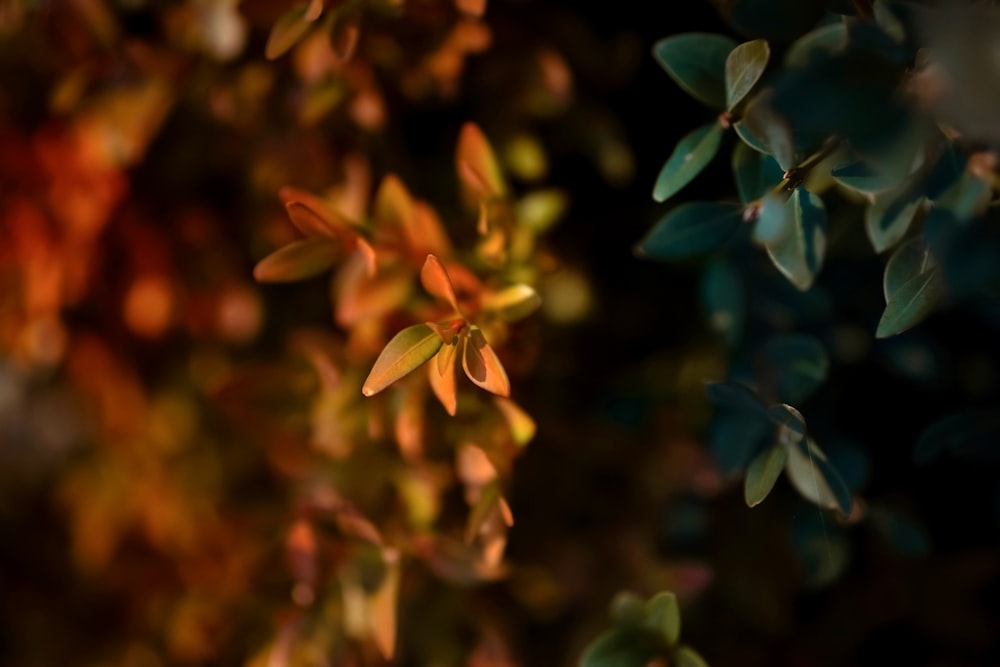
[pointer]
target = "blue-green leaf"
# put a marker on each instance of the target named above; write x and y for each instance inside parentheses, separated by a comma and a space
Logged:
(816, 44)
(799, 253)
(735, 396)
(744, 67)
(792, 426)
(799, 363)
(888, 218)
(750, 139)
(763, 128)
(763, 473)
(774, 219)
(723, 298)
(691, 229)
(756, 173)
(969, 432)
(735, 436)
(913, 287)
(691, 155)
(697, 62)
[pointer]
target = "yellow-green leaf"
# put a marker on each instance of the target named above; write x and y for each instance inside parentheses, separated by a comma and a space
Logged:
(512, 303)
(744, 66)
(762, 474)
(408, 349)
(298, 260)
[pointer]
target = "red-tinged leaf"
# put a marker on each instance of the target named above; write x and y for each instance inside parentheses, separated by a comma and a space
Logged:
(442, 377)
(310, 214)
(360, 297)
(345, 35)
(512, 303)
(408, 349)
(475, 8)
(482, 365)
(448, 330)
(477, 164)
(428, 235)
(288, 30)
(382, 608)
(368, 252)
(298, 260)
(436, 281)
(522, 426)
(314, 9)
(410, 421)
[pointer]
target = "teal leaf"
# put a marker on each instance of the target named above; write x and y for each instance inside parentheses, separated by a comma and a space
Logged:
(744, 66)
(799, 363)
(815, 478)
(619, 647)
(816, 45)
(969, 432)
(798, 254)
(774, 219)
(691, 229)
(691, 155)
(697, 63)
(762, 474)
(756, 173)
(792, 426)
(663, 617)
(888, 218)
(913, 287)
(723, 299)
(735, 396)
(763, 127)
(750, 139)
(685, 656)
(735, 436)
(966, 198)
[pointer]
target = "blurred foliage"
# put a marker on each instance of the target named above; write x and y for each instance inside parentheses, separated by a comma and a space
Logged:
(322, 340)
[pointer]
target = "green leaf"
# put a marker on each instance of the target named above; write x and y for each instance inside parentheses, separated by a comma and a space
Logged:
(691, 155)
(967, 432)
(798, 254)
(685, 656)
(298, 260)
(723, 298)
(913, 287)
(691, 229)
(735, 436)
(756, 173)
(663, 616)
(815, 479)
(619, 647)
(816, 44)
(762, 474)
(885, 19)
(628, 609)
(799, 363)
(287, 31)
(888, 218)
(744, 66)
(697, 62)
(409, 349)
(792, 426)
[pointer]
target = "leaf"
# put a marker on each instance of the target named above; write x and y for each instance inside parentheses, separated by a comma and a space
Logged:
(723, 298)
(441, 374)
(522, 426)
(799, 253)
(691, 229)
(618, 648)
(360, 297)
(764, 128)
(435, 280)
(913, 287)
(628, 609)
(477, 164)
(888, 218)
(685, 656)
(697, 63)
(763, 473)
(744, 66)
(735, 396)
(298, 260)
(288, 30)
(735, 436)
(756, 172)
(816, 45)
(345, 33)
(691, 155)
(967, 432)
(489, 500)
(663, 616)
(799, 363)
(382, 610)
(815, 479)
(774, 219)
(792, 426)
(780, 20)
(482, 365)
(311, 215)
(407, 350)
(750, 139)
(394, 206)
(538, 210)
(512, 303)
(886, 20)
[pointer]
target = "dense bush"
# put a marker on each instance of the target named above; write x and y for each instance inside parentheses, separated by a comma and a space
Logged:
(347, 333)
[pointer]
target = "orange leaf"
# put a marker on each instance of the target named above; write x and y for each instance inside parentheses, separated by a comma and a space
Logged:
(298, 260)
(310, 214)
(288, 30)
(428, 235)
(436, 281)
(382, 607)
(442, 378)
(368, 252)
(474, 8)
(410, 420)
(408, 349)
(477, 165)
(522, 426)
(361, 297)
(482, 365)
(345, 35)
(393, 205)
